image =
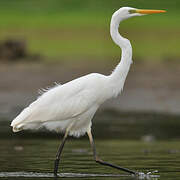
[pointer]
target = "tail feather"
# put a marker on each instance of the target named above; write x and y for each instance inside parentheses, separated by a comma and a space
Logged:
(18, 122)
(16, 129)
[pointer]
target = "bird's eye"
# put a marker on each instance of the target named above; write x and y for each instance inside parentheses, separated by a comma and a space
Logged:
(132, 11)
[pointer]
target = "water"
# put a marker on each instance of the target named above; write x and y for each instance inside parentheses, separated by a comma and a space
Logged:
(141, 142)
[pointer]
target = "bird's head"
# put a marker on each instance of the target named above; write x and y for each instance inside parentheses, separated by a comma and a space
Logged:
(127, 12)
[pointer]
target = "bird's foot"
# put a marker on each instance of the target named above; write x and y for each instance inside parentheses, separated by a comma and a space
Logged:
(55, 175)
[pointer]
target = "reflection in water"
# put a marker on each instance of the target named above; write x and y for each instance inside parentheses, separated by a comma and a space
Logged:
(74, 175)
(130, 141)
(50, 175)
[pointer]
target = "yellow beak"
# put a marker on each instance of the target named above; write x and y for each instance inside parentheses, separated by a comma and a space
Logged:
(149, 11)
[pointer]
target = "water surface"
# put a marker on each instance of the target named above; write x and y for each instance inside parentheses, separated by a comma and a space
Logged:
(141, 142)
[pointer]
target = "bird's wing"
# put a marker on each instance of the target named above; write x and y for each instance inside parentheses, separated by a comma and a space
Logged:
(61, 107)
(63, 102)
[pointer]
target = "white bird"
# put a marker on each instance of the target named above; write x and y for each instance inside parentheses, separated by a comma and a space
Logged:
(70, 107)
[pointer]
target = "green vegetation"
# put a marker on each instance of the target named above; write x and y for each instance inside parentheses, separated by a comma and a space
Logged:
(77, 29)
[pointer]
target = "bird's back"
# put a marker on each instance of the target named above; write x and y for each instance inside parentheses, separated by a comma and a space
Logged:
(62, 103)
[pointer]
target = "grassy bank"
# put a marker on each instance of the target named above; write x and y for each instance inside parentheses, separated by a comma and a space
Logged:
(79, 29)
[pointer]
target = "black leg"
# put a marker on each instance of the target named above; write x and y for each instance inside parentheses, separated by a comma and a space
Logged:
(56, 163)
(103, 162)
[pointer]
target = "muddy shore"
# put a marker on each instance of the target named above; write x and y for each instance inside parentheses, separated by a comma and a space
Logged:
(148, 88)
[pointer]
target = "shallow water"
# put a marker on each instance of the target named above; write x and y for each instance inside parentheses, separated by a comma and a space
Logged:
(141, 142)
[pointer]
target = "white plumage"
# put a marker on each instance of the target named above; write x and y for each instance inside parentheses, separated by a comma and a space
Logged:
(74, 104)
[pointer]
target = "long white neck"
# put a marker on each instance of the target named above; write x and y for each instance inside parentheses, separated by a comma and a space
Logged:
(118, 76)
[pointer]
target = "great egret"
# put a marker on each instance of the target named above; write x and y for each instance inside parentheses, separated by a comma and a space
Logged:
(70, 107)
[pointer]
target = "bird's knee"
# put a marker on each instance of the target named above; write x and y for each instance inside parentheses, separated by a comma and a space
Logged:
(98, 160)
(57, 160)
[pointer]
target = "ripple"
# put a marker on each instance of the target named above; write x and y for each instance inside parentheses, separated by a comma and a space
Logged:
(69, 175)
(48, 175)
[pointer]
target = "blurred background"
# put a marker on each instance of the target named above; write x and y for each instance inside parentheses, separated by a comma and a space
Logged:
(42, 42)
(47, 41)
